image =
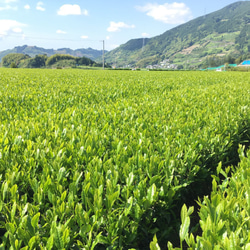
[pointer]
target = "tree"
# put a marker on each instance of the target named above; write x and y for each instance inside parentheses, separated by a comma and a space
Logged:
(13, 65)
(58, 57)
(84, 61)
(229, 59)
(13, 58)
(239, 60)
(226, 66)
(38, 61)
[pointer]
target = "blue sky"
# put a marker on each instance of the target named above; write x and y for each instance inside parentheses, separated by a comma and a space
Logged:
(82, 24)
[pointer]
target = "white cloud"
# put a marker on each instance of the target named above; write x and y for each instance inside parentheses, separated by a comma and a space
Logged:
(85, 12)
(114, 27)
(145, 35)
(170, 13)
(27, 7)
(61, 32)
(39, 6)
(8, 7)
(10, 26)
(84, 37)
(107, 37)
(113, 46)
(71, 9)
(9, 1)
(17, 30)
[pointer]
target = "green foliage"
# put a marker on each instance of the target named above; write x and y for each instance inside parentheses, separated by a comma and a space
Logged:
(135, 44)
(58, 57)
(32, 51)
(185, 220)
(13, 65)
(38, 61)
(154, 245)
(224, 217)
(222, 32)
(13, 59)
(84, 61)
(243, 39)
(103, 159)
(60, 60)
(215, 61)
(41, 61)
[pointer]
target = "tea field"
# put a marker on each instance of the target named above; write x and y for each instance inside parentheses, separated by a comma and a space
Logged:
(106, 159)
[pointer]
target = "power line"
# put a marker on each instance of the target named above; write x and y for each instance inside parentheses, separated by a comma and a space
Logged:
(72, 40)
(51, 39)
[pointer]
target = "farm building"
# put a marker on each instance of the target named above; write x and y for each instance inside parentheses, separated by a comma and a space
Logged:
(220, 68)
(246, 63)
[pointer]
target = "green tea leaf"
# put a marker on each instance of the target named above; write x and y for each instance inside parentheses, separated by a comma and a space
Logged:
(13, 211)
(5, 189)
(34, 221)
(184, 228)
(154, 245)
(128, 206)
(32, 242)
(50, 242)
(151, 194)
(183, 213)
(10, 227)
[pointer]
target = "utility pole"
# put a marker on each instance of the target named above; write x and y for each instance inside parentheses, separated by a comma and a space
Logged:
(103, 60)
(143, 43)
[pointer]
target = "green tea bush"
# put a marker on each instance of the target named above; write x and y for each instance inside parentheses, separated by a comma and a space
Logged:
(224, 216)
(105, 159)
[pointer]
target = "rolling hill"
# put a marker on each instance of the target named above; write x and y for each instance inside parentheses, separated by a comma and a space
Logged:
(221, 33)
(33, 51)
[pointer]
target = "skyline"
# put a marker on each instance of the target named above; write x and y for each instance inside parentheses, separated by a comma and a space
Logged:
(77, 24)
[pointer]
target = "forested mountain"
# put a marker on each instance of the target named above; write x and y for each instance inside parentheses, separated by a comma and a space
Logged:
(225, 32)
(33, 51)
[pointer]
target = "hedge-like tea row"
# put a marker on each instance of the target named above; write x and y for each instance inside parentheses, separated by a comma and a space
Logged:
(100, 159)
(224, 216)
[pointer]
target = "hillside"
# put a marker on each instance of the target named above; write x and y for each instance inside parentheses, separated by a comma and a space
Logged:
(221, 33)
(33, 51)
(19, 60)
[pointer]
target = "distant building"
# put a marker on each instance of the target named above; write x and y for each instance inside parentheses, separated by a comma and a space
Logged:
(246, 63)
(162, 65)
(220, 68)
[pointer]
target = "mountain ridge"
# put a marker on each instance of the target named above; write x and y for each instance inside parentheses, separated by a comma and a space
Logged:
(34, 50)
(223, 33)
(220, 33)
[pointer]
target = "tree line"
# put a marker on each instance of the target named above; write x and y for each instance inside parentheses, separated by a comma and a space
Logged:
(215, 61)
(18, 60)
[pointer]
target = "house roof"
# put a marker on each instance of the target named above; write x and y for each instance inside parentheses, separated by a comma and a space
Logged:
(246, 62)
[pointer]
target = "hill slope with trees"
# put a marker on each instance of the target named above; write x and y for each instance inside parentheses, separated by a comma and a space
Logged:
(19, 60)
(225, 32)
(32, 51)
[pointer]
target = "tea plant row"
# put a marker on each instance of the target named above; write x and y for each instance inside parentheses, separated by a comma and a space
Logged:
(92, 159)
(224, 216)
